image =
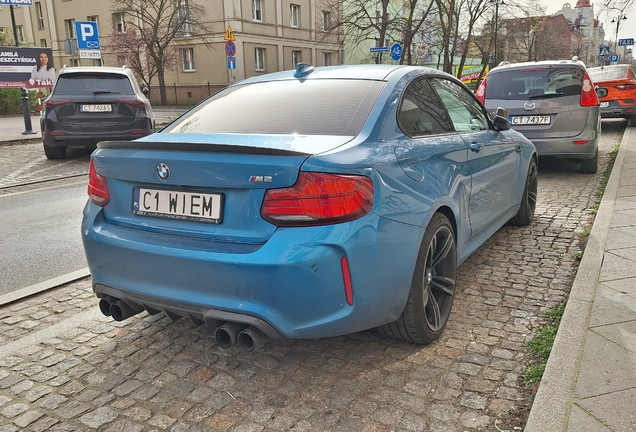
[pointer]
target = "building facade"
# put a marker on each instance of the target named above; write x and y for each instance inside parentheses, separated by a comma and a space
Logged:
(582, 18)
(269, 36)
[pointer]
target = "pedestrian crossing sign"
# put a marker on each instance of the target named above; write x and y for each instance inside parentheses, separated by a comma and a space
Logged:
(604, 50)
(229, 34)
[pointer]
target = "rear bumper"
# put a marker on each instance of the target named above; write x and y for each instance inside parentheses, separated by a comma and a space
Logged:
(292, 285)
(617, 110)
(55, 134)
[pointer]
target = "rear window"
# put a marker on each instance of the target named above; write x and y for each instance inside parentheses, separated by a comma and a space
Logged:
(608, 73)
(312, 107)
(534, 83)
(85, 84)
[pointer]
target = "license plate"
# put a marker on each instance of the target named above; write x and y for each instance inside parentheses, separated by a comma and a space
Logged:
(179, 205)
(96, 108)
(604, 104)
(529, 120)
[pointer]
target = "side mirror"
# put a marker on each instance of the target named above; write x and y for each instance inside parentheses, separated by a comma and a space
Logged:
(501, 120)
(601, 92)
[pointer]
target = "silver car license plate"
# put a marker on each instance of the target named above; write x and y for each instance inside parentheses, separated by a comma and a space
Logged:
(530, 120)
(180, 205)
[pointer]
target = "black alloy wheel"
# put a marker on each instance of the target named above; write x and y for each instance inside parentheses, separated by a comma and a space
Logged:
(432, 291)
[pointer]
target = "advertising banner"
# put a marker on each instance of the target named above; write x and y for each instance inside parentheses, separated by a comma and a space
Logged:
(472, 73)
(30, 68)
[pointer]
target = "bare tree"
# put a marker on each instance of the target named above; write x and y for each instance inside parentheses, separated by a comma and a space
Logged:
(135, 55)
(158, 23)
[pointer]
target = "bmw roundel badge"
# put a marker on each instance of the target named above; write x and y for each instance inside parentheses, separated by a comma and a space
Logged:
(163, 171)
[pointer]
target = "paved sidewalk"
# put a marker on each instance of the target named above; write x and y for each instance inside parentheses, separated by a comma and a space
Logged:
(590, 379)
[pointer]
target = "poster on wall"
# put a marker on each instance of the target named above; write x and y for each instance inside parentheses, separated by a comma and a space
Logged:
(22, 67)
(472, 73)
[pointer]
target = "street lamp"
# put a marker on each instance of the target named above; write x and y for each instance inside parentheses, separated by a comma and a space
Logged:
(617, 20)
(497, 3)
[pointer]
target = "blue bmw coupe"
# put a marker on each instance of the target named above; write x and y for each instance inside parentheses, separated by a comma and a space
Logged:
(309, 203)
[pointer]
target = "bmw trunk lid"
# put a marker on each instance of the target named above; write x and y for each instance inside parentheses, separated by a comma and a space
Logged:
(201, 190)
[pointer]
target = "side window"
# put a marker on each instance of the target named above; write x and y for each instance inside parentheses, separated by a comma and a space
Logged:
(421, 112)
(464, 110)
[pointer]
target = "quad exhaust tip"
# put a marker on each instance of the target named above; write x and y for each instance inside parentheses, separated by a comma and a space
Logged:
(226, 334)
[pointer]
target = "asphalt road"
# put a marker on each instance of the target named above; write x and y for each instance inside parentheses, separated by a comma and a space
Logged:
(40, 234)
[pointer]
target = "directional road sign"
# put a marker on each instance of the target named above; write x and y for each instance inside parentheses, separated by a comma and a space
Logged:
(625, 42)
(604, 50)
(380, 49)
(396, 51)
(231, 62)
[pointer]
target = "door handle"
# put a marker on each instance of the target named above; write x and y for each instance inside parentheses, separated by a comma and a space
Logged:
(476, 147)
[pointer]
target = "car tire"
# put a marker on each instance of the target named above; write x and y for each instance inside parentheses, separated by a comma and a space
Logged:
(54, 152)
(590, 166)
(529, 198)
(433, 287)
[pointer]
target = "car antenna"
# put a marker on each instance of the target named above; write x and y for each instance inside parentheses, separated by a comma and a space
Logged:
(303, 69)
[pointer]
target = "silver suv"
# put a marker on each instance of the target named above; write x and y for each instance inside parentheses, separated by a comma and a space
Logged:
(90, 104)
(553, 103)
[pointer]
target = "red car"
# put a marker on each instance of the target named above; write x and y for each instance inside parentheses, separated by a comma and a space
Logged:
(620, 82)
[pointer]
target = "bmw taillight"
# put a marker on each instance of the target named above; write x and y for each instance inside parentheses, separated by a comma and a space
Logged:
(481, 92)
(319, 199)
(626, 86)
(588, 94)
(97, 188)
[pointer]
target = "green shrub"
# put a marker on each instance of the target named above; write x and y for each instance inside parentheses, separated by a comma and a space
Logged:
(11, 102)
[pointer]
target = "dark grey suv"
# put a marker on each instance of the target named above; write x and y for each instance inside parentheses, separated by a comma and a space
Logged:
(93, 104)
(553, 103)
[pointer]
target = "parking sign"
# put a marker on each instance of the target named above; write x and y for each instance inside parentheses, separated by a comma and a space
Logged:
(87, 35)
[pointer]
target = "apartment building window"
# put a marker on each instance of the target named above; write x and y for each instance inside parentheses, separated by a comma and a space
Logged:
(187, 55)
(69, 25)
(20, 30)
(92, 18)
(296, 58)
(257, 10)
(294, 12)
(43, 42)
(326, 59)
(259, 59)
(40, 15)
(119, 25)
(97, 62)
(183, 17)
(326, 20)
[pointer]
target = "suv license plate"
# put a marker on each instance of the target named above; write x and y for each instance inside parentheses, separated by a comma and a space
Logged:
(96, 108)
(529, 120)
(604, 104)
(170, 204)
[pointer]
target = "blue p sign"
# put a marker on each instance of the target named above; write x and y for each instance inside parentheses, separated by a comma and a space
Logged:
(87, 35)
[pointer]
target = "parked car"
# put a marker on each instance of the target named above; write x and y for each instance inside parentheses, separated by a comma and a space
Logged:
(308, 203)
(92, 104)
(553, 103)
(620, 83)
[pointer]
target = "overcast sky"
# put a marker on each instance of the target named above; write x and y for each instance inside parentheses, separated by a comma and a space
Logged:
(627, 28)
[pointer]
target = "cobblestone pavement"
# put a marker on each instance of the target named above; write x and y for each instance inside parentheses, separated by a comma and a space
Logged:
(64, 367)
